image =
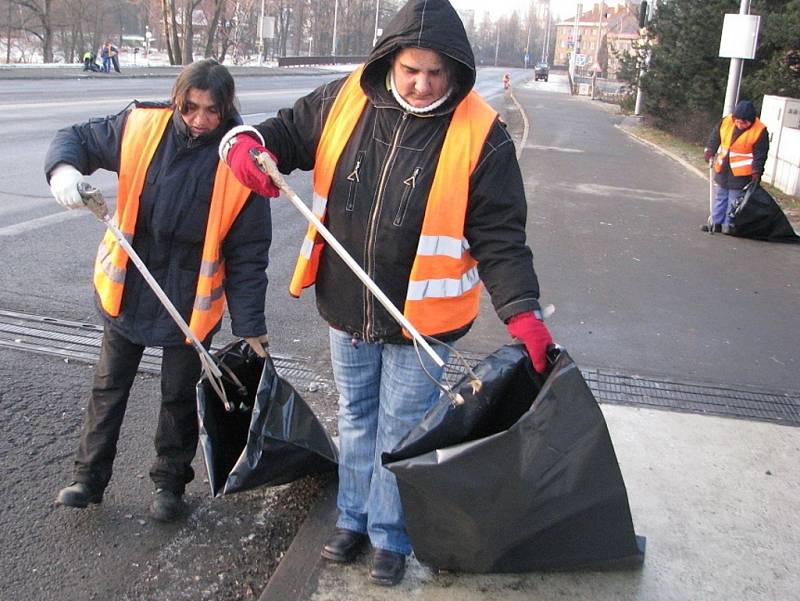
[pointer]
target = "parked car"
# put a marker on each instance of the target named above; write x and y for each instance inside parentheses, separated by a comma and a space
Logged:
(541, 71)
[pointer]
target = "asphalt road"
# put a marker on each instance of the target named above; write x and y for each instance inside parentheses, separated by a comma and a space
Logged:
(615, 232)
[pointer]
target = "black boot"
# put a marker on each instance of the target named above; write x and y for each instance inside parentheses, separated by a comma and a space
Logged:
(717, 227)
(78, 494)
(387, 567)
(343, 545)
(166, 506)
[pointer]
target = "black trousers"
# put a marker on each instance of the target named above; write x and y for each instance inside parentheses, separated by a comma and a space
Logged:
(177, 431)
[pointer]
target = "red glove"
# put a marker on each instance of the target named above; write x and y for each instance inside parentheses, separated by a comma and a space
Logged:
(247, 171)
(534, 335)
(707, 155)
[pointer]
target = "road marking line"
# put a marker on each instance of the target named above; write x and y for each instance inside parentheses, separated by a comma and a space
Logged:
(46, 221)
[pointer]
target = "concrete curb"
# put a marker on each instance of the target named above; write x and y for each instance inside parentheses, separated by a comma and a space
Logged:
(660, 150)
(297, 574)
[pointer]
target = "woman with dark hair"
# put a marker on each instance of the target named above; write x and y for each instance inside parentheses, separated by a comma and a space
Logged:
(203, 236)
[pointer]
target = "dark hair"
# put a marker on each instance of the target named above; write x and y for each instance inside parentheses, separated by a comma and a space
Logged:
(207, 74)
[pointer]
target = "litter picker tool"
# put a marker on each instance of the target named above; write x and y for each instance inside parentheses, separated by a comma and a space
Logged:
(94, 201)
(710, 197)
(268, 166)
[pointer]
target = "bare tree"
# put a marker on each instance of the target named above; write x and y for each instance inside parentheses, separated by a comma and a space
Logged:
(41, 11)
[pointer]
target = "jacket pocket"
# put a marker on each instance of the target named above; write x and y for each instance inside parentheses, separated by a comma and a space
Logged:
(410, 184)
(354, 178)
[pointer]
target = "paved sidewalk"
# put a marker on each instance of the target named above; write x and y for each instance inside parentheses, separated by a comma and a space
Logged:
(717, 499)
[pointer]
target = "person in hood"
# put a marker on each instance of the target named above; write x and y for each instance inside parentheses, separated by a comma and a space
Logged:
(417, 178)
(738, 146)
(203, 236)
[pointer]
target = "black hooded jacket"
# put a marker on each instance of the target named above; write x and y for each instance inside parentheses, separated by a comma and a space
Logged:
(171, 226)
(380, 187)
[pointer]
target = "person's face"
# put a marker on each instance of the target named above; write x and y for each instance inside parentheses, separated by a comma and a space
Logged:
(741, 123)
(420, 76)
(200, 112)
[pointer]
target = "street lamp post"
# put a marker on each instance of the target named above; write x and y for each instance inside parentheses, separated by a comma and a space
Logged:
(335, 17)
(735, 71)
(377, 12)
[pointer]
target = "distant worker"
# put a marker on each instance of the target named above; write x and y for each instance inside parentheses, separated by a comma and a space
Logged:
(739, 147)
(507, 81)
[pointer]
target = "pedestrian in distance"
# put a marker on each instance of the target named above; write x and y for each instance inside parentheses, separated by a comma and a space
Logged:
(418, 179)
(105, 54)
(205, 239)
(738, 146)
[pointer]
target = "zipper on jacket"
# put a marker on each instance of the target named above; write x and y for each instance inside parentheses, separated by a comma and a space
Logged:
(410, 183)
(354, 180)
(369, 256)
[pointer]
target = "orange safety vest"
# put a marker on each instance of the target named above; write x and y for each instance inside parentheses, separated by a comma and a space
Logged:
(144, 129)
(740, 153)
(444, 288)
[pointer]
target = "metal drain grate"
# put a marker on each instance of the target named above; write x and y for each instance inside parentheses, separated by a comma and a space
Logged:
(621, 388)
(81, 341)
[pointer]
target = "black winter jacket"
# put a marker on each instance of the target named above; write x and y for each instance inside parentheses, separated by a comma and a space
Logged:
(170, 228)
(379, 224)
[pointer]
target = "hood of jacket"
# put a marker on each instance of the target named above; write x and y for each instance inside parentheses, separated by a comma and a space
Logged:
(428, 24)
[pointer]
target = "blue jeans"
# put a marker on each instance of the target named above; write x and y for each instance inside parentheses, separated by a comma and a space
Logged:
(383, 394)
(723, 201)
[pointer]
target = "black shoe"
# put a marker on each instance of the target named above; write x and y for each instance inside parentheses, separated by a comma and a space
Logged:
(343, 545)
(387, 567)
(717, 227)
(78, 494)
(167, 506)
(729, 229)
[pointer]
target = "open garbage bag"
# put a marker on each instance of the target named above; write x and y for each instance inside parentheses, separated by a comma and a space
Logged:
(522, 476)
(755, 214)
(271, 438)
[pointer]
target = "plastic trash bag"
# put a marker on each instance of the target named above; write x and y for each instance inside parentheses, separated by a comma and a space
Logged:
(755, 214)
(273, 436)
(521, 477)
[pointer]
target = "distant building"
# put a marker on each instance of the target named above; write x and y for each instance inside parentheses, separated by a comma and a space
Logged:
(602, 32)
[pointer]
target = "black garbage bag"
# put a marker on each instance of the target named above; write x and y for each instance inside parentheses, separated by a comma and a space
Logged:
(755, 214)
(271, 438)
(522, 476)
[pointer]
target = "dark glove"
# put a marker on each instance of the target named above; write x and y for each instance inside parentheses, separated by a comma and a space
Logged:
(534, 335)
(708, 155)
(755, 178)
(245, 168)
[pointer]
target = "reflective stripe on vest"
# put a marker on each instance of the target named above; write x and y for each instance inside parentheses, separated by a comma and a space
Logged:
(444, 287)
(144, 129)
(740, 152)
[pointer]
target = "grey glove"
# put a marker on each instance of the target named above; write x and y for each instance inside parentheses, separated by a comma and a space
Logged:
(259, 344)
(64, 180)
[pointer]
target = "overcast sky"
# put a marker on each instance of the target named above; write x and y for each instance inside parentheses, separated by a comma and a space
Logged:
(561, 8)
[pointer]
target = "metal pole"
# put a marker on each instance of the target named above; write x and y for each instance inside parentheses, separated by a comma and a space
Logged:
(637, 110)
(377, 12)
(599, 38)
(497, 44)
(735, 72)
(546, 45)
(261, 36)
(574, 42)
(335, 18)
